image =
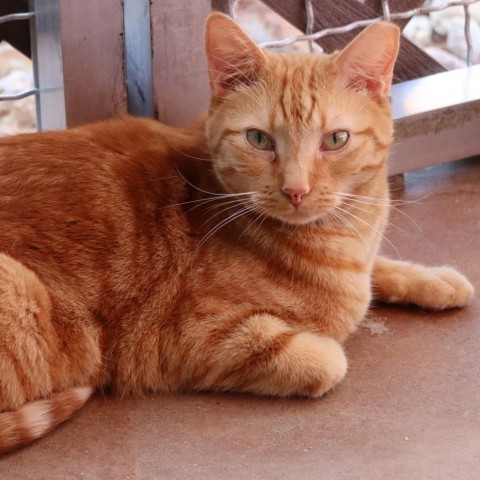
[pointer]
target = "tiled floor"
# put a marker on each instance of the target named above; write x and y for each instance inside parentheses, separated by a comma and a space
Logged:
(408, 409)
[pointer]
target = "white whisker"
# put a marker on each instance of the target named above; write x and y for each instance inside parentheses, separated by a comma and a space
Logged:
(373, 215)
(344, 220)
(381, 201)
(373, 201)
(233, 204)
(224, 222)
(190, 156)
(371, 227)
(260, 215)
(200, 201)
(205, 191)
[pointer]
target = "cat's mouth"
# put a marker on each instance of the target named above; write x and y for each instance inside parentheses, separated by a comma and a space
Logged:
(310, 211)
(299, 216)
(304, 215)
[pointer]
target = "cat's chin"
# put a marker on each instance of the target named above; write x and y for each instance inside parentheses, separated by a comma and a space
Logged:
(299, 218)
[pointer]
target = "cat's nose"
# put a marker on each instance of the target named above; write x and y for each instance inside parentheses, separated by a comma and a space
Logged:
(296, 194)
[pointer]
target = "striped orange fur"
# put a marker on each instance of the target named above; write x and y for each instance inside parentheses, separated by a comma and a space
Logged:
(152, 259)
(34, 419)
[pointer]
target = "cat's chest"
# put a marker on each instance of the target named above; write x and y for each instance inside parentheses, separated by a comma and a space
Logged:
(328, 297)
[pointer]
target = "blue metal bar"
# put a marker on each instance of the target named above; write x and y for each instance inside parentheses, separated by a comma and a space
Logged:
(138, 57)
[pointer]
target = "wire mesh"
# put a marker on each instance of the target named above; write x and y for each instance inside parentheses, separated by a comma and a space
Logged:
(310, 36)
(387, 14)
(11, 18)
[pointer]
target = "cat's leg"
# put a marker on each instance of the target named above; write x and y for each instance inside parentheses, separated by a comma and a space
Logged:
(434, 288)
(264, 355)
(35, 361)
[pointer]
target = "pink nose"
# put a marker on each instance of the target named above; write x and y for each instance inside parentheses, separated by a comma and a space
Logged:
(296, 194)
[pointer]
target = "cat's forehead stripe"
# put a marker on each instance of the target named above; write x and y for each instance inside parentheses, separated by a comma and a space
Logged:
(297, 93)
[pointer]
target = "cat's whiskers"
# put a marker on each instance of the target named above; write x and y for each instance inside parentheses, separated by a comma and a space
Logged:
(259, 216)
(211, 200)
(190, 156)
(201, 201)
(406, 215)
(226, 202)
(391, 204)
(380, 234)
(343, 220)
(223, 223)
(373, 214)
(339, 219)
(233, 204)
(205, 191)
(381, 201)
(370, 200)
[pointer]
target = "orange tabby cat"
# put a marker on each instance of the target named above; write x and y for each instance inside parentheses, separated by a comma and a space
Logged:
(233, 255)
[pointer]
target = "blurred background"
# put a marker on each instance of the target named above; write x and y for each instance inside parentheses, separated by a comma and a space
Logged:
(440, 34)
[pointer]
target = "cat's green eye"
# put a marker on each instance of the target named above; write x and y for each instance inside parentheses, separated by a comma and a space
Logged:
(259, 140)
(335, 140)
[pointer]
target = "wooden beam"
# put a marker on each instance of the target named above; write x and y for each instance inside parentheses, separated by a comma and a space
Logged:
(395, 6)
(93, 67)
(431, 128)
(220, 5)
(180, 80)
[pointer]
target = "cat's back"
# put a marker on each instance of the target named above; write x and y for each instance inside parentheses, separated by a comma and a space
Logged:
(88, 197)
(98, 149)
(85, 165)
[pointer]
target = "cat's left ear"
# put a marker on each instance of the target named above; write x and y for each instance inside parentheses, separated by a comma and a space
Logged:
(367, 61)
(233, 58)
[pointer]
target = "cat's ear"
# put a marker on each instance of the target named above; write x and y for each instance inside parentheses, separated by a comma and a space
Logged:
(367, 61)
(233, 58)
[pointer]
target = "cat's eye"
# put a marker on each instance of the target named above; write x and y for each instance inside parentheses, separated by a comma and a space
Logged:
(259, 140)
(335, 140)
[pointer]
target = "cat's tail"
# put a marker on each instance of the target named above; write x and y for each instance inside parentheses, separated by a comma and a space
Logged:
(34, 419)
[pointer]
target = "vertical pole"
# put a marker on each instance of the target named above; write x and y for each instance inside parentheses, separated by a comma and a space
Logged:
(138, 57)
(46, 51)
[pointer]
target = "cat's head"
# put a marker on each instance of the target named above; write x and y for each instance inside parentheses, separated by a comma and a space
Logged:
(298, 130)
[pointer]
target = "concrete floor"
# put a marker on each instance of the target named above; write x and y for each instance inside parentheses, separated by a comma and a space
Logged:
(409, 407)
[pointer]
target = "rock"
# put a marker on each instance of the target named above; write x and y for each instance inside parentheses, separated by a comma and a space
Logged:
(441, 20)
(456, 42)
(15, 76)
(419, 30)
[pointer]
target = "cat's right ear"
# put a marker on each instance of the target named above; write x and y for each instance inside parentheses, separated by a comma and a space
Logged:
(367, 61)
(233, 58)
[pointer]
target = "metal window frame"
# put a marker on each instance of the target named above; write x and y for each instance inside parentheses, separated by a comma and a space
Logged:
(45, 34)
(46, 48)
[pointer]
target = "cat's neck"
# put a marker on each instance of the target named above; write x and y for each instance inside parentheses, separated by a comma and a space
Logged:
(187, 146)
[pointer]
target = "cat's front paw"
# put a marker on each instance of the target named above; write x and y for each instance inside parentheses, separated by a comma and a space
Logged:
(317, 364)
(438, 288)
(432, 288)
(449, 289)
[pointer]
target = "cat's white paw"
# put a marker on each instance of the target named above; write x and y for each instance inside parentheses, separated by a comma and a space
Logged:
(454, 290)
(439, 288)
(321, 360)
